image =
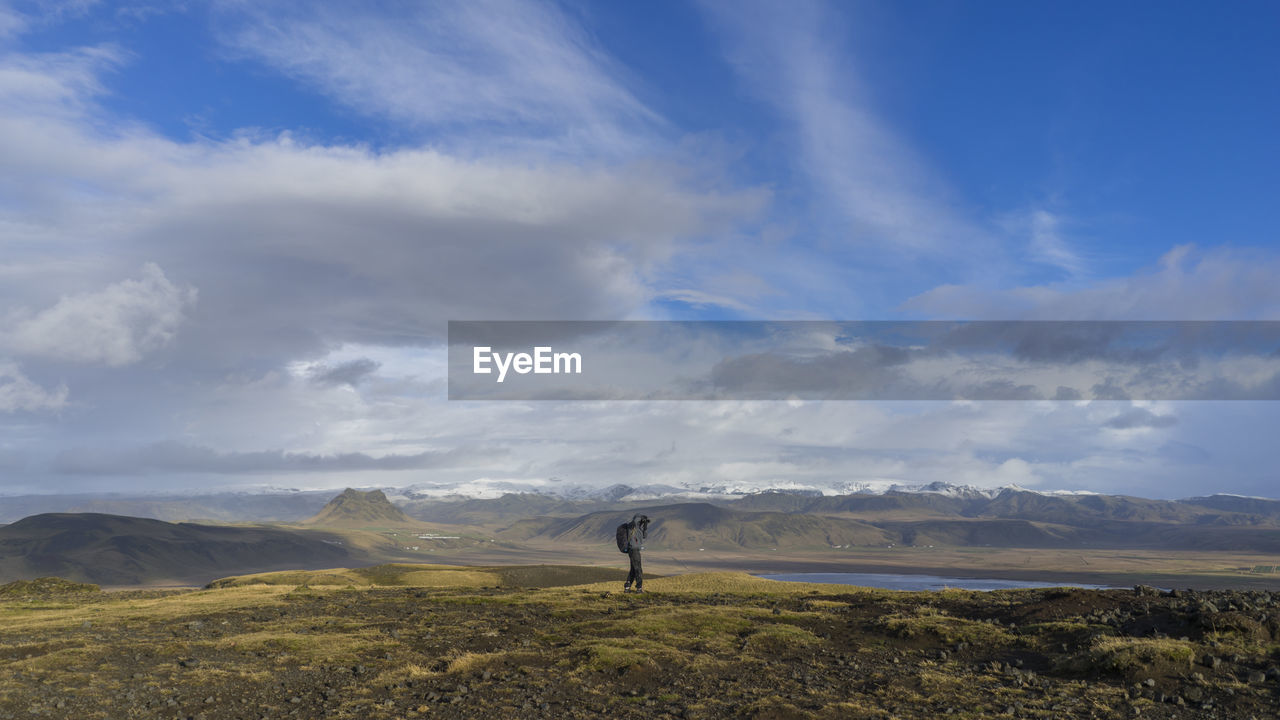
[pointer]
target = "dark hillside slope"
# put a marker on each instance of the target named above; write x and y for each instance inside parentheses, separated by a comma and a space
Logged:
(689, 526)
(1259, 507)
(897, 502)
(776, 501)
(1074, 524)
(117, 550)
(984, 533)
(1086, 510)
(507, 508)
(217, 507)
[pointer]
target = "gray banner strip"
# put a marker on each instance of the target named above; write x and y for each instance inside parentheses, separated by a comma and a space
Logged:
(864, 360)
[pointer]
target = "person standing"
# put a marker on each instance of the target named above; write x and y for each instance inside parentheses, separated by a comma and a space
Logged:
(631, 537)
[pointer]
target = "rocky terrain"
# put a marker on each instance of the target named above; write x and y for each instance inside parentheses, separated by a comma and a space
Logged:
(406, 641)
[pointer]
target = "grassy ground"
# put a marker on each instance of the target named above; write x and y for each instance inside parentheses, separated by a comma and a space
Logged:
(409, 641)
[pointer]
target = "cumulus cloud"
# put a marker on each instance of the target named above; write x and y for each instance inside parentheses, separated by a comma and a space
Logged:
(297, 246)
(18, 392)
(1140, 418)
(114, 326)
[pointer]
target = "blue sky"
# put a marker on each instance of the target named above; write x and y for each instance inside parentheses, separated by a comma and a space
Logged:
(207, 207)
(1136, 128)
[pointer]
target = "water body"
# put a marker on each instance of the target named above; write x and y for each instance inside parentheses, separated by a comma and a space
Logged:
(894, 581)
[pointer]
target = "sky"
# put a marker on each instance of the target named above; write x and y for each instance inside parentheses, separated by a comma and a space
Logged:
(232, 234)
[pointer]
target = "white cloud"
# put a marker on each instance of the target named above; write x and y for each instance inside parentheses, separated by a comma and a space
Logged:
(886, 195)
(297, 249)
(114, 326)
(18, 392)
(1186, 284)
(11, 22)
(509, 65)
(61, 83)
(14, 22)
(296, 246)
(1140, 418)
(310, 254)
(1047, 243)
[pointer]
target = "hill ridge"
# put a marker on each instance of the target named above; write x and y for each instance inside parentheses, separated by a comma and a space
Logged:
(121, 550)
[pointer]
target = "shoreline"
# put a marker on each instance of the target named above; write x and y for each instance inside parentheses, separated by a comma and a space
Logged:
(1180, 581)
(670, 564)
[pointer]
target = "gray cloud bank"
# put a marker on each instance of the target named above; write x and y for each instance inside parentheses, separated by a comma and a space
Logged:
(349, 373)
(171, 457)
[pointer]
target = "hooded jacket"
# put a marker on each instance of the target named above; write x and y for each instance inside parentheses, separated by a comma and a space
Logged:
(631, 535)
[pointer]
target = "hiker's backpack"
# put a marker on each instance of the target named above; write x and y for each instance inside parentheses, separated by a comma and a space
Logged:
(624, 537)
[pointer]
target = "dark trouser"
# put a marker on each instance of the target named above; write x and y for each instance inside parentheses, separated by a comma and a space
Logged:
(636, 575)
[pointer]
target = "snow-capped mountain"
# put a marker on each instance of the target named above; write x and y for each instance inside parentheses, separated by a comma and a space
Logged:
(491, 488)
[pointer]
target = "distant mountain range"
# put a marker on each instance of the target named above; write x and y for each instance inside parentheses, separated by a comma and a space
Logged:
(644, 493)
(501, 502)
(116, 550)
